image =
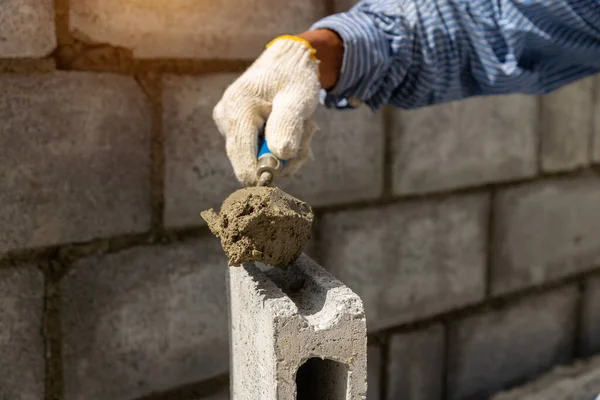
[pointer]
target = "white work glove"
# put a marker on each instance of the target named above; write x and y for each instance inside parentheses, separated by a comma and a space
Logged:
(280, 88)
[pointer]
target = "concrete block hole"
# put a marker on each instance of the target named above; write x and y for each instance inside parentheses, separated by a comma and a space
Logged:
(319, 379)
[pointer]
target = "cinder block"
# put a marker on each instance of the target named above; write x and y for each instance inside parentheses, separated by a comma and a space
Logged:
(590, 340)
(374, 356)
(545, 231)
(21, 341)
(410, 260)
(198, 174)
(492, 351)
(225, 29)
(416, 365)
(348, 159)
(348, 152)
(575, 382)
(144, 320)
(75, 159)
(296, 333)
(567, 118)
(27, 28)
(464, 143)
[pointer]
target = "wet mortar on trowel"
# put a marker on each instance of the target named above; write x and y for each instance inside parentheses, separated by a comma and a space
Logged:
(261, 224)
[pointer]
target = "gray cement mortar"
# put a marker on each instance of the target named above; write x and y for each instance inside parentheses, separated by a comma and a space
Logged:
(261, 224)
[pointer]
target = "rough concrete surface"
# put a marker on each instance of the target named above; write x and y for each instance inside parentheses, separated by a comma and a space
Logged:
(26, 28)
(590, 340)
(416, 365)
(347, 165)
(411, 260)
(491, 351)
(580, 381)
(296, 328)
(567, 118)
(22, 360)
(464, 143)
(545, 231)
(190, 28)
(144, 320)
(261, 224)
(75, 161)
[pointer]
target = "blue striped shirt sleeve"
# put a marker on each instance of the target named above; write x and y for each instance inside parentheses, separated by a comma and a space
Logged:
(416, 53)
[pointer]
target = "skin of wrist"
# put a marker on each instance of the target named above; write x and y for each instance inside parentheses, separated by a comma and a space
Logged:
(330, 53)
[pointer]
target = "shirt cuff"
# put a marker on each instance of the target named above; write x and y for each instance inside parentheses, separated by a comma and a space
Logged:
(366, 58)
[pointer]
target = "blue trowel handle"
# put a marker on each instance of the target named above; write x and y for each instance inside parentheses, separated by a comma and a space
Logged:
(263, 148)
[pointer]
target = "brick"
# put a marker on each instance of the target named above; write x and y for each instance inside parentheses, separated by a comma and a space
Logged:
(21, 341)
(545, 231)
(144, 320)
(575, 382)
(590, 340)
(374, 355)
(495, 350)
(416, 362)
(76, 162)
(410, 260)
(567, 118)
(464, 143)
(222, 30)
(347, 167)
(27, 28)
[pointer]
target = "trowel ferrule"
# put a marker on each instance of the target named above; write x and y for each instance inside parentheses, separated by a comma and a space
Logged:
(268, 166)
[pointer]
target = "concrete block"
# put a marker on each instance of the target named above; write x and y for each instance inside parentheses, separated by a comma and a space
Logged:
(191, 28)
(374, 356)
(27, 28)
(348, 150)
(464, 143)
(416, 365)
(348, 159)
(580, 381)
(567, 121)
(76, 158)
(590, 339)
(500, 348)
(296, 333)
(144, 320)
(198, 174)
(410, 260)
(545, 231)
(21, 341)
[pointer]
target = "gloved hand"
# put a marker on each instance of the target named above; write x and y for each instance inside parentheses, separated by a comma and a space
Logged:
(280, 88)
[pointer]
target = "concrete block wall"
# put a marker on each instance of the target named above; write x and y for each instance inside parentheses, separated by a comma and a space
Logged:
(471, 230)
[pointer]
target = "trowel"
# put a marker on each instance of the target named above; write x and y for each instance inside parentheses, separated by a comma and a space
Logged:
(263, 223)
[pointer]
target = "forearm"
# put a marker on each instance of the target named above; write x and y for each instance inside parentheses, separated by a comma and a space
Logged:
(330, 53)
(417, 53)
